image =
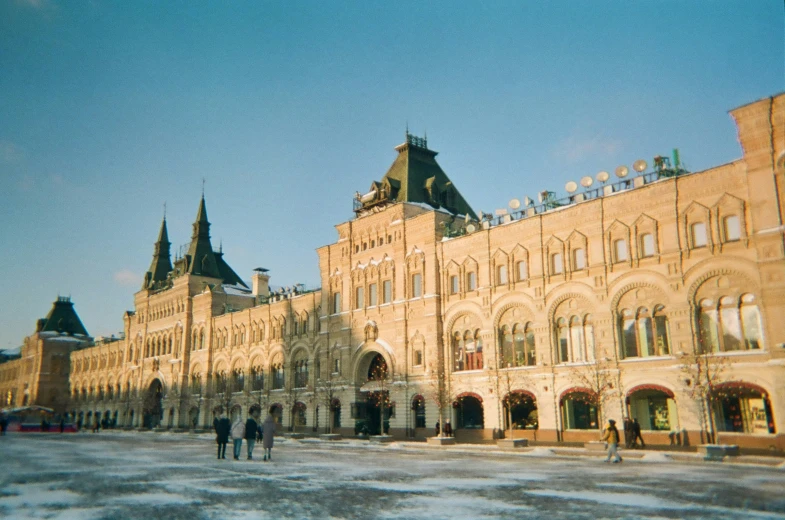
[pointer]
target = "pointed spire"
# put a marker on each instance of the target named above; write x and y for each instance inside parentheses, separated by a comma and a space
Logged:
(201, 215)
(161, 265)
(201, 259)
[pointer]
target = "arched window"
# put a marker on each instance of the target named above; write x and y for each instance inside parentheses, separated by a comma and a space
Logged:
(729, 323)
(643, 335)
(469, 410)
(301, 373)
(574, 338)
(579, 411)
(517, 345)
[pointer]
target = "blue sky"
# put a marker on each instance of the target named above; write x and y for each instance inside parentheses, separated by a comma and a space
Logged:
(110, 109)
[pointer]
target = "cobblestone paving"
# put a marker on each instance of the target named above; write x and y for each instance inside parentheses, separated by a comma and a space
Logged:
(176, 476)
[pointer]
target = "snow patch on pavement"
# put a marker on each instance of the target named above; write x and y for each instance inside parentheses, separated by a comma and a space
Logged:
(617, 499)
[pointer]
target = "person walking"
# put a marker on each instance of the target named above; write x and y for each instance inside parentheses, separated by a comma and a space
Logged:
(250, 430)
(627, 432)
(611, 436)
(222, 427)
(438, 429)
(238, 432)
(636, 434)
(268, 432)
(62, 424)
(447, 428)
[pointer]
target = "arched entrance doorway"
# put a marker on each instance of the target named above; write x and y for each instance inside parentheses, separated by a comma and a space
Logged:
(152, 412)
(520, 411)
(741, 407)
(468, 412)
(374, 396)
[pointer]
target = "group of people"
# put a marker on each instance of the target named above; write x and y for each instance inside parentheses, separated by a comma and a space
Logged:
(250, 430)
(632, 432)
(447, 428)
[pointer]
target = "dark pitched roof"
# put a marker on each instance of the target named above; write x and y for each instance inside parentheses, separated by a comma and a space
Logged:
(62, 318)
(415, 176)
(161, 265)
(201, 259)
(227, 273)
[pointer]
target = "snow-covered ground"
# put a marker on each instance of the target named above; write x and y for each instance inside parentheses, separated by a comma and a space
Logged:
(177, 476)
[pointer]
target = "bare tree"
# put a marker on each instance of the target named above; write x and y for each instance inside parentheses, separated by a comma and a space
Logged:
(381, 397)
(599, 377)
(326, 392)
(703, 372)
(508, 385)
(438, 393)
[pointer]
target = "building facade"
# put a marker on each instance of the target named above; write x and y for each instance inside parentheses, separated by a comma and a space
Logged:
(660, 297)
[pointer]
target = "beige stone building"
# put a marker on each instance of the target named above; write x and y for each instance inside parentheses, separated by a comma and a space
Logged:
(659, 297)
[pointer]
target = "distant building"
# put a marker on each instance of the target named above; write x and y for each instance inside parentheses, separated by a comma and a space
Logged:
(556, 316)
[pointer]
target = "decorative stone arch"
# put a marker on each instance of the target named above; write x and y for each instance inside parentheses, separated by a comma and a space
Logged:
(501, 311)
(152, 377)
(620, 293)
(526, 393)
(221, 362)
(257, 353)
(238, 361)
(576, 390)
(469, 394)
(557, 301)
(719, 271)
(742, 385)
(276, 353)
(650, 386)
(364, 354)
(467, 308)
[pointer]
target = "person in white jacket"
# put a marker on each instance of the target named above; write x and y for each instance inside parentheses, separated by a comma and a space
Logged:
(238, 433)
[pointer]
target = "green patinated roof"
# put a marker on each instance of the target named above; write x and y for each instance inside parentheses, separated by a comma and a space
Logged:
(415, 176)
(62, 318)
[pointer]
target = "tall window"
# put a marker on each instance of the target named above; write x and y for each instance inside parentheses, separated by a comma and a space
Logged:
(647, 245)
(257, 378)
(517, 345)
(620, 250)
(557, 264)
(278, 375)
(731, 228)
(467, 350)
(373, 297)
(359, 296)
(416, 285)
(578, 259)
(574, 339)
(387, 291)
(501, 274)
(471, 281)
(644, 333)
(336, 303)
(698, 234)
(522, 270)
(729, 324)
(454, 284)
(238, 380)
(301, 373)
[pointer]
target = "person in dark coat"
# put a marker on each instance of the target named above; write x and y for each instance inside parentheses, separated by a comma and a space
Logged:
(268, 432)
(447, 428)
(438, 429)
(251, 426)
(222, 428)
(636, 434)
(62, 425)
(627, 432)
(3, 424)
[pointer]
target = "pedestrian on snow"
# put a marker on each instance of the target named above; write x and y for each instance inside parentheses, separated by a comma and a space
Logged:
(43, 425)
(636, 434)
(96, 426)
(447, 428)
(250, 430)
(238, 432)
(627, 432)
(3, 424)
(268, 431)
(222, 427)
(62, 424)
(611, 436)
(438, 429)
(79, 424)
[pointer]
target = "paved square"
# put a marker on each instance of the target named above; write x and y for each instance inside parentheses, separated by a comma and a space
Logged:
(150, 475)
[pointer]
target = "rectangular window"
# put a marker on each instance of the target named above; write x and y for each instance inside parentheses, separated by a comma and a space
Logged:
(387, 291)
(501, 274)
(416, 285)
(359, 297)
(578, 259)
(698, 232)
(620, 250)
(372, 296)
(454, 284)
(732, 228)
(523, 271)
(336, 366)
(417, 358)
(556, 263)
(336, 303)
(471, 281)
(647, 245)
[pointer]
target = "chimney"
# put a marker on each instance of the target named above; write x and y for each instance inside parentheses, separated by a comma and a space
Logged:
(260, 282)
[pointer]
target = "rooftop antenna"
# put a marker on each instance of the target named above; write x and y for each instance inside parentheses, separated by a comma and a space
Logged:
(203, 181)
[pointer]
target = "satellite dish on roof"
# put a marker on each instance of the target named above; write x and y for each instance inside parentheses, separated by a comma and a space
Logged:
(500, 212)
(603, 176)
(622, 171)
(571, 187)
(471, 228)
(639, 165)
(587, 181)
(515, 204)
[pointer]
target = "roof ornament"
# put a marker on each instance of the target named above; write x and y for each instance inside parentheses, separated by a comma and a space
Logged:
(203, 181)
